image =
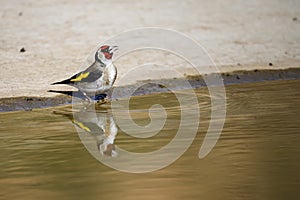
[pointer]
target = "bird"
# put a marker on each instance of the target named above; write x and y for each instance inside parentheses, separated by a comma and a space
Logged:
(96, 79)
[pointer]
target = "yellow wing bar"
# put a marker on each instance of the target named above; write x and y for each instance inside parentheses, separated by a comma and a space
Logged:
(81, 76)
(81, 126)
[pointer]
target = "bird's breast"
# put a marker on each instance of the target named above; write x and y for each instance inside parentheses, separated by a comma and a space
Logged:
(107, 80)
(110, 74)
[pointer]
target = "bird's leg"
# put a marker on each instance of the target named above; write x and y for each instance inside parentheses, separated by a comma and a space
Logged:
(101, 98)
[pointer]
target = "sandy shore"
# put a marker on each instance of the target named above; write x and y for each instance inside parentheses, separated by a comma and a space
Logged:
(44, 42)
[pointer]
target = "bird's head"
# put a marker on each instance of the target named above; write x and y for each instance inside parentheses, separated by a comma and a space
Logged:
(105, 53)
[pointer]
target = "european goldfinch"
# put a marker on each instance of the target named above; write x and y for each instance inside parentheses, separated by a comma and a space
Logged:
(98, 78)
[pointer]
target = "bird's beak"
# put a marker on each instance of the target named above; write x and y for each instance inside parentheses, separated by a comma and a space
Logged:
(113, 49)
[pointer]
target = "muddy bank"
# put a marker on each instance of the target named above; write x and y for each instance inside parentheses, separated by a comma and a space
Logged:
(152, 86)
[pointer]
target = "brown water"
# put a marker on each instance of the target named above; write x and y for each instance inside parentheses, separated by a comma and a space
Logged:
(256, 157)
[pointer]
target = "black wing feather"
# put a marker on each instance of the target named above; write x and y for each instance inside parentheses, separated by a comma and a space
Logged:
(93, 76)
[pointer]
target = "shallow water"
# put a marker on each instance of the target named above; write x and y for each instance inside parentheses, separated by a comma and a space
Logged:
(43, 154)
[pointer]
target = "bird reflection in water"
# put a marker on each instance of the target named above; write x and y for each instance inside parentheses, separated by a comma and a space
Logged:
(100, 125)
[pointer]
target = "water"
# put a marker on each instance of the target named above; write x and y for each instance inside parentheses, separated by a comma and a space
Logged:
(256, 157)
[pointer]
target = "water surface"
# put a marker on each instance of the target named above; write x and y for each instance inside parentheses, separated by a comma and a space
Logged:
(256, 157)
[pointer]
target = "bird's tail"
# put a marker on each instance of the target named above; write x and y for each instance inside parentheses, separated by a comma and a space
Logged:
(67, 81)
(61, 82)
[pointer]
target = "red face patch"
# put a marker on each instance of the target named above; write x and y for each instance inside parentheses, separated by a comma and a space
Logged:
(105, 51)
(104, 47)
(107, 55)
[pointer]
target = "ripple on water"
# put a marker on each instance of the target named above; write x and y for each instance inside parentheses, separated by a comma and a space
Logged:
(256, 157)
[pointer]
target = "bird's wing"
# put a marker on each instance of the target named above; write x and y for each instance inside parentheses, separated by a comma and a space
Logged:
(87, 76)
